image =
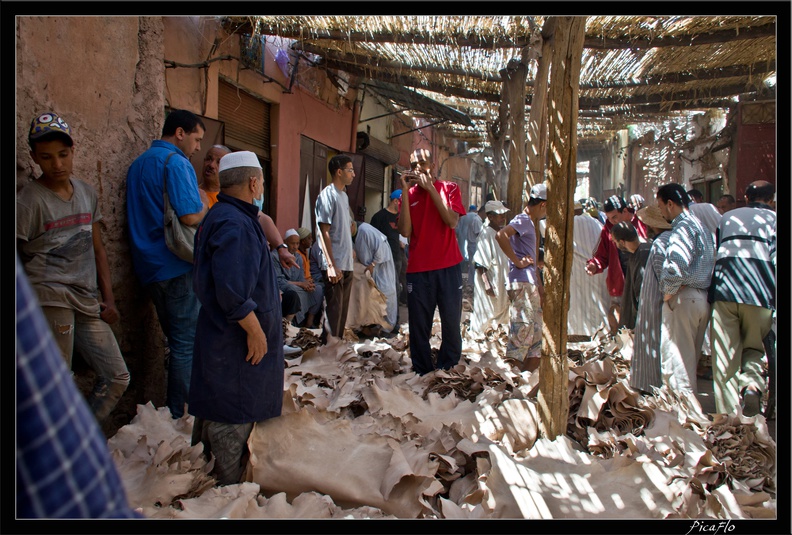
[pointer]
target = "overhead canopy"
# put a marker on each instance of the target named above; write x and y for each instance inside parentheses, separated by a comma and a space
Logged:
(635, 68)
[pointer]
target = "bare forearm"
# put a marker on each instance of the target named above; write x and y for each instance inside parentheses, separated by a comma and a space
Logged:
(404, 224)
(449, 217)
(271, 232)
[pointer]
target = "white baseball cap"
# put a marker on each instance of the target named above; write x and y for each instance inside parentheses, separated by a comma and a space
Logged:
(538, 191)
(495, 206)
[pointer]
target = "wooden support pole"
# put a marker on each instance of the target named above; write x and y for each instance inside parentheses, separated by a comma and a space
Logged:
(568, 36)
(537, 119)
(515, 76)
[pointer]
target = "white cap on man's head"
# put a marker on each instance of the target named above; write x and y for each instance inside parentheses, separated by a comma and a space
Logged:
(242, 158)
(290, 232)
(495, 207)
(539, 191)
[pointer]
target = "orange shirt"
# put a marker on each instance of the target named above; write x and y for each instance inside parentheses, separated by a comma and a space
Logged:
(212, 195)
(306, 265)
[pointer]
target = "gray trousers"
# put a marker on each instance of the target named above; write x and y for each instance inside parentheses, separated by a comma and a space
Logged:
(737, 334)
(685, 318)
(228, 444)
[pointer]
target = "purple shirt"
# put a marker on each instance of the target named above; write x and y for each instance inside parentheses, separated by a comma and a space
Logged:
(524, 244)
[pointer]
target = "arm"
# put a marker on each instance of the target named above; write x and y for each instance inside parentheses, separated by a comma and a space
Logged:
(449, 217)
(192, 220)
(327, 248)
(404, 223)
(674, 274)
(256, 339)
(488, 289)
(274, 239)
(502, 237)
(108, 311)
(599, 261)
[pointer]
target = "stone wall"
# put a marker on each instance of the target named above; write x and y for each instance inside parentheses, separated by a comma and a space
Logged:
(104, 76)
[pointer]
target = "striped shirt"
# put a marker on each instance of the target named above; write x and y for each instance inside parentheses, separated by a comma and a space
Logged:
(690, 257)
(745, 266)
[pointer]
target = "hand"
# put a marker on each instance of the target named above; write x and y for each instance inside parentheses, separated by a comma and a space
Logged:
(523, 262)
(333, 275)
(424, 180)
(287, 259)
(257, 347)
(370, 269)
(108, 312)
(591, 268)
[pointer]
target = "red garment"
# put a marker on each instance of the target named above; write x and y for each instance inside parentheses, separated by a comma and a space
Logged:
(433, 244)
(607, 254)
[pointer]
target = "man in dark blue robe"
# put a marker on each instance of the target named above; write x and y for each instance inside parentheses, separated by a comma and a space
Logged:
(237, 374)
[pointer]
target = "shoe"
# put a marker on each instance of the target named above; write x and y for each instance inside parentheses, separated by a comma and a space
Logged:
(290, 350)
(751, 403)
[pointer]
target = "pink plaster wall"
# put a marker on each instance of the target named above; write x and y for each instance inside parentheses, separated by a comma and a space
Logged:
(302, 114)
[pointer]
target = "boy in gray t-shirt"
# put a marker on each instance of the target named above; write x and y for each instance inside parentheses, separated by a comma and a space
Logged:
(60, 245)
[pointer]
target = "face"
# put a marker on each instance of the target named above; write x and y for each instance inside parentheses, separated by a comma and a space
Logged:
(540, 209)
(347, 174)
(190, 143)
(293, 243)
(665, 209)
(55, 159)
(306, 242)
(615, 217)
(724, 206)
(257, 185)
(211, 163)
(422, 167)
(497, 220)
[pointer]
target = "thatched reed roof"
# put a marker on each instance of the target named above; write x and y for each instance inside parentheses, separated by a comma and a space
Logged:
(634, 68)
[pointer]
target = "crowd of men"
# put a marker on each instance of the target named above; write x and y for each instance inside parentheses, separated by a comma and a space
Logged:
(676, 272)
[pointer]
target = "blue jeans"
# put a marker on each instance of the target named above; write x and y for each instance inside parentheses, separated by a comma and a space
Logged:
(427, 290)
(95, 341)
(177, 309)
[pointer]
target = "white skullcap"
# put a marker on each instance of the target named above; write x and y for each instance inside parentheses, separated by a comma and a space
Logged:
(290, 232)
(242, 158)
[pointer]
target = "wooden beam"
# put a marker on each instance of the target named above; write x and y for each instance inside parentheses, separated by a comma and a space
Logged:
(473, 40)
(677, 96)
(375, 62)
(562, 97)
(365, 71)
(754, 69)
(381, 63)
(722, 36)
(700, 95)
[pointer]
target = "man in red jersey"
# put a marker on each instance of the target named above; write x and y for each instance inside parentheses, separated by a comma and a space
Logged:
(430, 210)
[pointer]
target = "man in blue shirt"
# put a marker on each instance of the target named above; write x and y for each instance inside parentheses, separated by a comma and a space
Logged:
(166, 277)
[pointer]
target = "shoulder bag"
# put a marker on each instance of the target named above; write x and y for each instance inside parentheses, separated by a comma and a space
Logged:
(179, 238)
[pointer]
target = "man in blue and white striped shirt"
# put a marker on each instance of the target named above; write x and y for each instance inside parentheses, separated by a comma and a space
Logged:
(684, 281)
(743, 296)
